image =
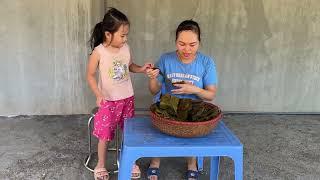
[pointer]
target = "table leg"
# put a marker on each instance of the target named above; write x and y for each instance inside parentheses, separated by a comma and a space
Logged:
(125, 168)
(214, 167)
(200, 163)
(238, 166)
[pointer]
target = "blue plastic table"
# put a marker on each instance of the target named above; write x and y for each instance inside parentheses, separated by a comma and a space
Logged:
(140, 139)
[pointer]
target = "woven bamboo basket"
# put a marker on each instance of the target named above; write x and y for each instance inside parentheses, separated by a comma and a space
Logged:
(185, 129)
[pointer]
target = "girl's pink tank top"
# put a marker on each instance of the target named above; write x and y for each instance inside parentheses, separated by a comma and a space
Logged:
(114, 77)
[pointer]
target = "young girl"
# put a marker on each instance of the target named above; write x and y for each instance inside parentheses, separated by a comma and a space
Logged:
(114, 92)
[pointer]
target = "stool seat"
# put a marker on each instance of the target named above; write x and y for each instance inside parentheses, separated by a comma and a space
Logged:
(140, 139)
(94, 111)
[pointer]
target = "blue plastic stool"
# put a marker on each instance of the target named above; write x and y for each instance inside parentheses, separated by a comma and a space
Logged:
(140, 139)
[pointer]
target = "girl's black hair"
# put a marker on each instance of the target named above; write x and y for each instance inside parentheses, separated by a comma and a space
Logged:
(111, 22)
(189, 25)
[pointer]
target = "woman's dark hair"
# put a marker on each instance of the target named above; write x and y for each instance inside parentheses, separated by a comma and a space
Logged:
(111, 22)
(189, 25)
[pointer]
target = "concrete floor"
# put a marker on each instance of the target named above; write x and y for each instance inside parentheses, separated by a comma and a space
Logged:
(54, 147)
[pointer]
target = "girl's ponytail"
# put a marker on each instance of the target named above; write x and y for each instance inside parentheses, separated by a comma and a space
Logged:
(96, 36)
(112, 20)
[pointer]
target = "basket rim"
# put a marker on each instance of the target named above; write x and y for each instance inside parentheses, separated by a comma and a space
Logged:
(217, 118)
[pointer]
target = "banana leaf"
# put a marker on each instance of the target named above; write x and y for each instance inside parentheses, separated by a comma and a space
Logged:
(187, 110)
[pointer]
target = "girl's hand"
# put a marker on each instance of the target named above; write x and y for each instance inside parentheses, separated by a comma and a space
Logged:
(186, 89)
(146, 66)
(99, 100)
(152, 73)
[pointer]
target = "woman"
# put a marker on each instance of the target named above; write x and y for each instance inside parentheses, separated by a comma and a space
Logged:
(185, 64)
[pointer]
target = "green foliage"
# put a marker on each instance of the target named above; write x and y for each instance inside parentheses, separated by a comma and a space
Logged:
(187, 110)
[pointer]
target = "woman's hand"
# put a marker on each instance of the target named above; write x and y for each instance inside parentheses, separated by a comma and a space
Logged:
(154, 85)
(207, 94)
(146, 66)
(140, 69)
(152, 73)
(186, 89)
(99, 100)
